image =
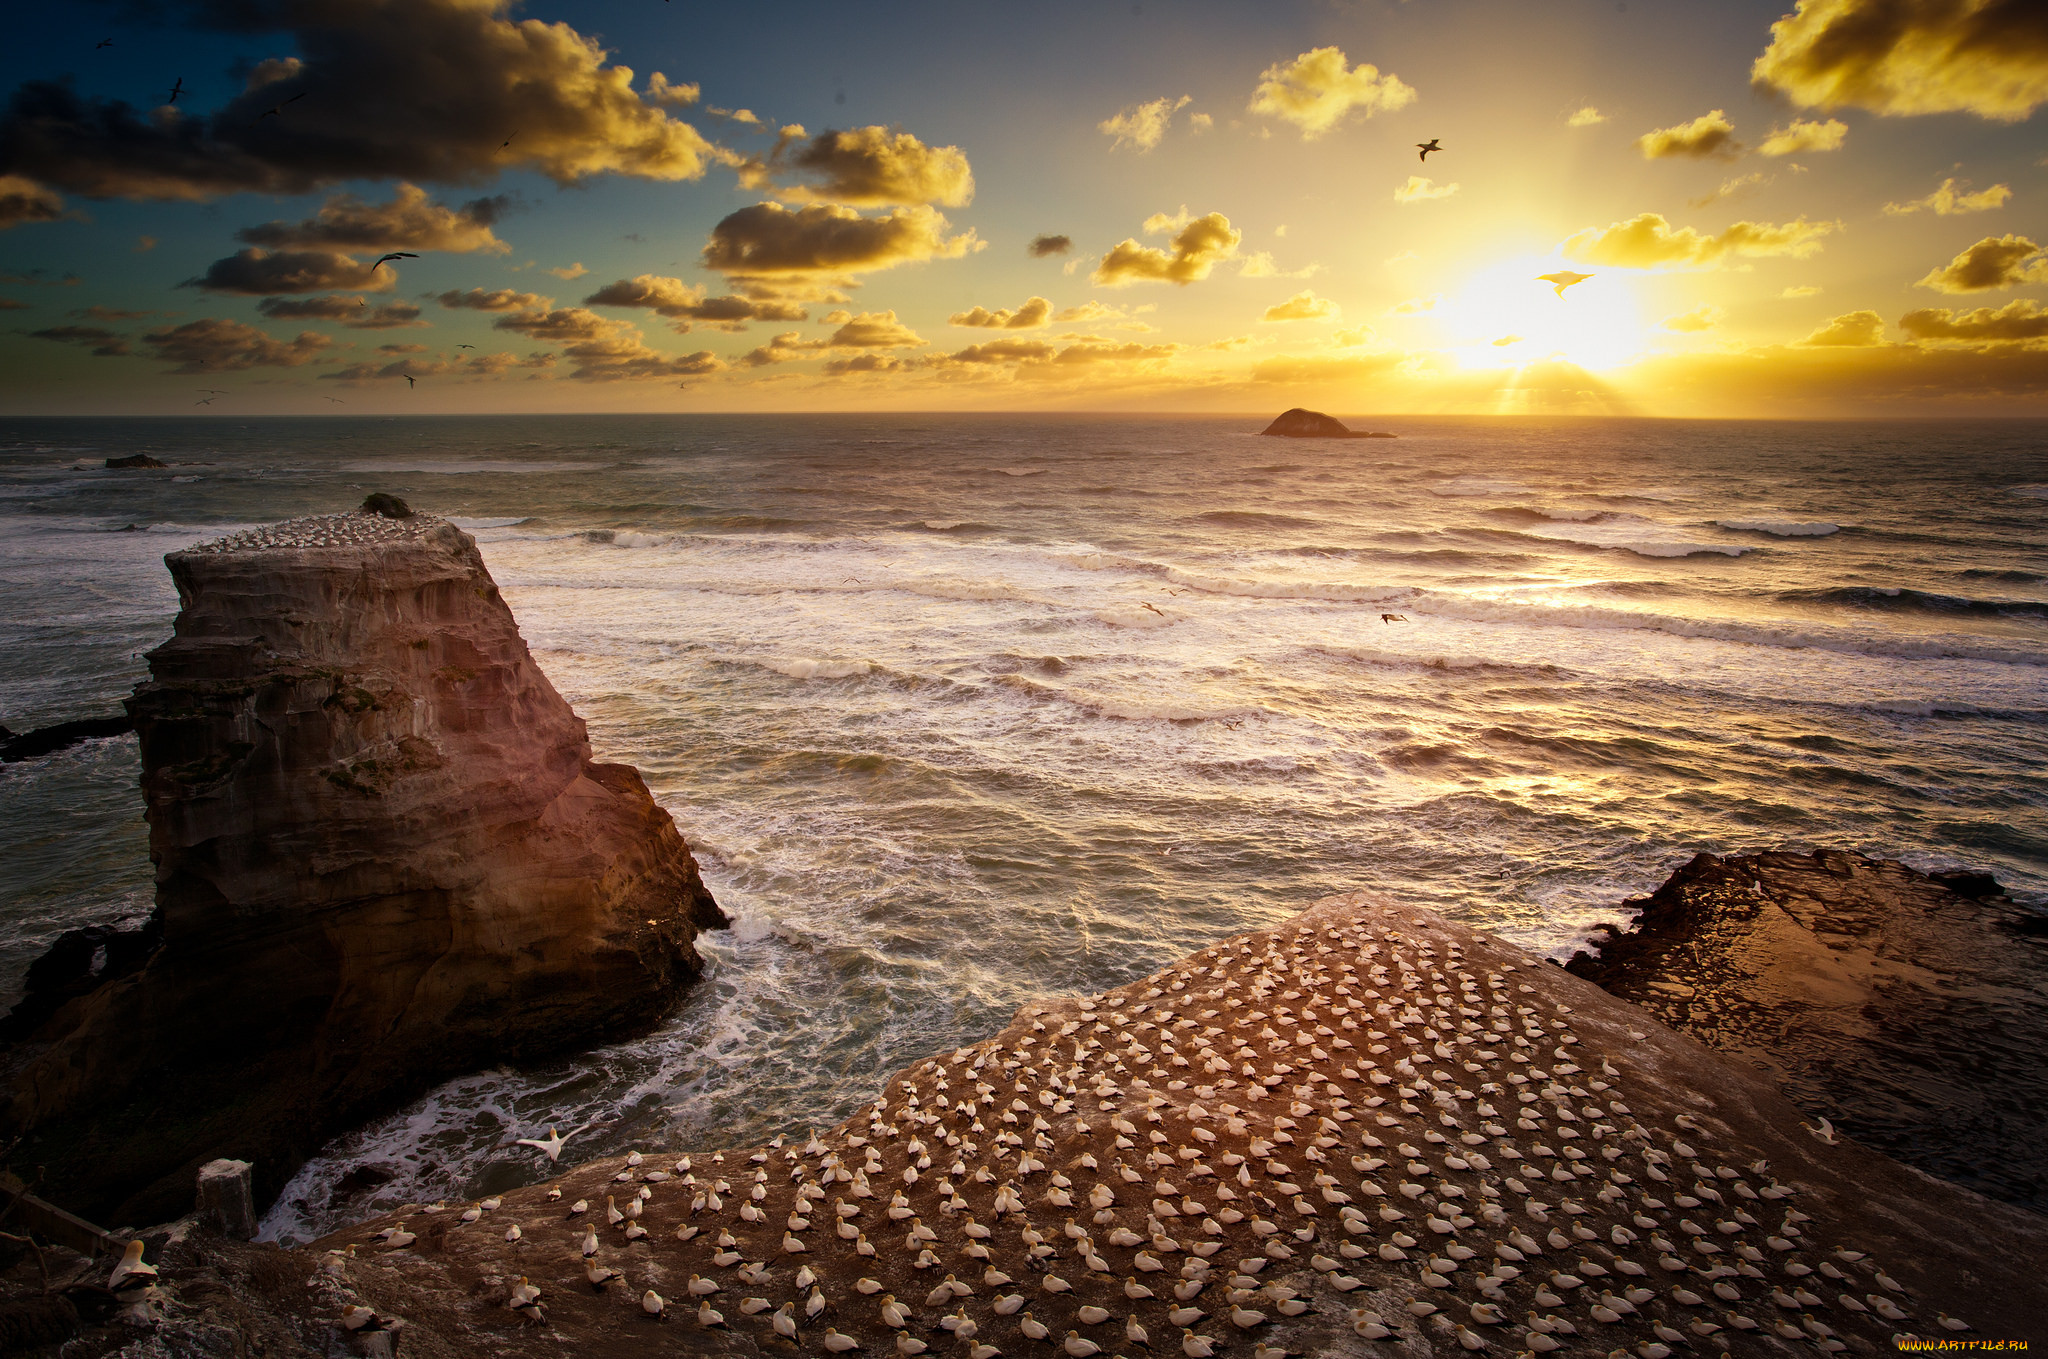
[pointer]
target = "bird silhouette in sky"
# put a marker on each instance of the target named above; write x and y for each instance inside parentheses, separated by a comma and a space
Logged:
(394, 255)
(1563, 278)
(103, 42)
(465, 346)
(176, 90)
(409, 380)
(337, 401)
(1426, 148)
(278, 109)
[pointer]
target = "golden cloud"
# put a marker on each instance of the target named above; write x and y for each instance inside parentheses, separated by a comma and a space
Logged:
(678, 300)
(568, 273)
(1041, 246)
(1703, 317)
(865, 166)
(410, 221)
(1004, 351)
(1994, 262)
(351, 311)
(769, 244)
(1587, 116)
(1142, 125)
(24, 200)
(1088, 311)
(661, 90)
(1797, 136)
(1709, 135)
(218, 345)
(255, 271)
(790, 344)
(1198, 246)
(443, 91)
(1303, 306)
(1850, 330)
(871, 330)
(1987, 57)
(1261, 264)
(1421, 190)
(1648, 241)
(494, 299)
(1035, 312)
(2018, 321)
(462, 368)
(605, 350)
(1318, 90)
(1949, 201)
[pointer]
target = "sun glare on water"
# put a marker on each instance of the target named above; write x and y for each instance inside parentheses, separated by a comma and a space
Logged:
(1506, 315)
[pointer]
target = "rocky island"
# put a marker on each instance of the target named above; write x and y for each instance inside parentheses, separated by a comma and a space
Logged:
(1306, 424)
(384, 855)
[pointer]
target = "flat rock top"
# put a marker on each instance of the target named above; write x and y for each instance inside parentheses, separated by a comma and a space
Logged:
(358, 528)
(1909, 1013)
(1368, 1131)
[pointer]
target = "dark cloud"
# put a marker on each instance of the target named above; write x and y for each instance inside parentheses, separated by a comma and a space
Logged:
(1994, 262)
(2017, 321)
(352, 311)
(867, 166)
(462, 368)
(218, 345)
(1041, 246)
(423, 90)
(24, 200)
(410, 221)
(96, 312)
(1987, 57)
(493, 299)
(106, 343)
(605, 350)
(823, 241)
(12, 304)
(673, 298)
(256, 272)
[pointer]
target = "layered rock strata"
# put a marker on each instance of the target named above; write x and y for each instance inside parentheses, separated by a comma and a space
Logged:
(384, 855)
(1906, 1008)
(1368, 1131)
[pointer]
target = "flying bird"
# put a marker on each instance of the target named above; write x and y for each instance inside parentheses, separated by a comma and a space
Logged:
(507, 142)
(465, 346)
(279, 108)
(1426, 148)
(103, 42)
(1393, 618)
(176, 90)
(409, 382)
(406, 255)
(1154, 609)
(1563, 278)
(337, 401)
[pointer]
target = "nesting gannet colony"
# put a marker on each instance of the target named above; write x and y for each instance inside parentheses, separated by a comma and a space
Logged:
(1368, 1131)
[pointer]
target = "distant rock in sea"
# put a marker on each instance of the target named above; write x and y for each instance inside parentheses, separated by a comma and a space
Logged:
(134, 460)
(1307, 424)
(1904, 1006)
(384, 856)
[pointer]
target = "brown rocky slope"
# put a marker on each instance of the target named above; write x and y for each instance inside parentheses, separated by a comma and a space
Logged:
(384, 855)
(1911, 1010)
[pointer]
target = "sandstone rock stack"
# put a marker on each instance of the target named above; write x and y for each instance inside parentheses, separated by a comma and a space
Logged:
(383, 856)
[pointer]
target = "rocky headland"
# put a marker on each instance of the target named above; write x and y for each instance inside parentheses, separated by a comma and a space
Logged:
(1299, 423)
(384, 855)
(1910, 1010)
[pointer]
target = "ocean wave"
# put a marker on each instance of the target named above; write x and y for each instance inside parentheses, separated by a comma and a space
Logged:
(2008, 575)
(2036, 491)
(1276, 589)
(1479, 486)
(1256, 519)
(1782, 528)
(1023, 471)
(1631, 533)
(459, 467)
(1407, 660)
(957, 526)
(1122, 709)
(1904, 600)
(804, 667)
(979, 590)
(471, 525)
(1589, 616)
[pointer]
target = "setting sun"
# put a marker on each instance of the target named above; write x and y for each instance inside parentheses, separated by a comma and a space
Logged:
(1506, 315)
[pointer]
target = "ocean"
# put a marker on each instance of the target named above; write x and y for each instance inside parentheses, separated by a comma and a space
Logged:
(961, 711)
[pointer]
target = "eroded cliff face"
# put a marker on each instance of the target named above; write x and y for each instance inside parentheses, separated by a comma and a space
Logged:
(383, 856)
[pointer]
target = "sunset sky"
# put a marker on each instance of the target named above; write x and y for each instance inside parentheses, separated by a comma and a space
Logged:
(653, 205)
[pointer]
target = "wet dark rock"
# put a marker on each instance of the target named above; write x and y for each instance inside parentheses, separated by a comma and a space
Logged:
(132, 461)
(62, 736)
(1904, 1007)
(390, 506)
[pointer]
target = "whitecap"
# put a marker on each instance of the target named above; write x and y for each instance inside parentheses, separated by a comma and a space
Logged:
(1631, 533)
(1136, 616)
(473, 524)
(1479, 486)
(806, 668)
(1782, 528)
